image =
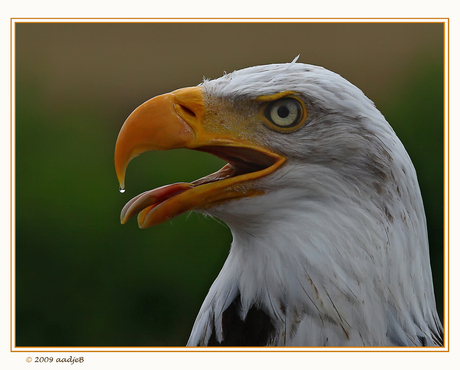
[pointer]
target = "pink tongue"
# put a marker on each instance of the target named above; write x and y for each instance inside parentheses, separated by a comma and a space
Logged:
(152, 198)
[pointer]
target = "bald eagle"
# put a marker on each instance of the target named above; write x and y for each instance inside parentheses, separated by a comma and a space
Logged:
(330, 244)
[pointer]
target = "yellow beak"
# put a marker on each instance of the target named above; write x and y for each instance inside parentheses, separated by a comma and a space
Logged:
(180, 119)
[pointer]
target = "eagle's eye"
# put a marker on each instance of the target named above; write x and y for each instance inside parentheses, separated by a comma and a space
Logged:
(285, 114)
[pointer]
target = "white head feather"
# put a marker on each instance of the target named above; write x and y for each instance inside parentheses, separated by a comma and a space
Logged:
(336, 249)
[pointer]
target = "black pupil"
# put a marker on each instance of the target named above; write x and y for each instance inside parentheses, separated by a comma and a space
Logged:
(283, 111)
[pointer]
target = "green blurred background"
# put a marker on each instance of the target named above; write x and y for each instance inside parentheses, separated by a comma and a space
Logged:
(82, 279)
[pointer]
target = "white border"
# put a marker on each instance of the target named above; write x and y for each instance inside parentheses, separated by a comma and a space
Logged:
(106, 356)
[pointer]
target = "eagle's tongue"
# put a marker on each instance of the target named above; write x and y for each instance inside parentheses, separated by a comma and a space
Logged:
(151, 199)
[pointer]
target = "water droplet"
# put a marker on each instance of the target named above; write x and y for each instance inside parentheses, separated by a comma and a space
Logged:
(122, 190)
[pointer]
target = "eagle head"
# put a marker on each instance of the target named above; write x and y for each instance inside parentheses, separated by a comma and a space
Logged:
(322, 199)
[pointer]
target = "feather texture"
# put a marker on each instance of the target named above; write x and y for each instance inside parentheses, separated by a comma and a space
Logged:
(335, 253)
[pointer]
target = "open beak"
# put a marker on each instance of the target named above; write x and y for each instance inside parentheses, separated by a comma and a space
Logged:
(181, 119)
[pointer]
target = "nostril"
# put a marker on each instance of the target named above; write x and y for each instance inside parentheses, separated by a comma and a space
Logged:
(189, 103)
(187, 111)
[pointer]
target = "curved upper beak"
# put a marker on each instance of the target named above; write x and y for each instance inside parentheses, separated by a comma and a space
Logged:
(161, 123)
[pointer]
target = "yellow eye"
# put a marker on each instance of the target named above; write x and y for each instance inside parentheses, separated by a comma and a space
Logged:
(285, 114)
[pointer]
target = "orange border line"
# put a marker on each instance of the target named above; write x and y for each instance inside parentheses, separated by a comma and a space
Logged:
(11, 184)
(446, 201)
(173, 349)
(243, 18)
